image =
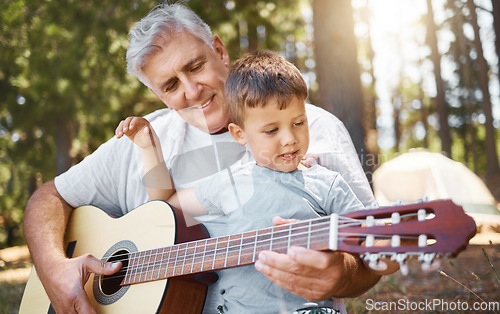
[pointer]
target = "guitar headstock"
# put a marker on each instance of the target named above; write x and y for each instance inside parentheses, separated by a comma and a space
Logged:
(425, 229)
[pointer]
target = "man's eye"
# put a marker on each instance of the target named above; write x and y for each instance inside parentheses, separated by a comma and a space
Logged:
(298, 123)
(171, 87)
(197, 67)
(272, 131)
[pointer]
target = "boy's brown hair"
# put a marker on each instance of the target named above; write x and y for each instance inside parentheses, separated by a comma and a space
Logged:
(258, 77)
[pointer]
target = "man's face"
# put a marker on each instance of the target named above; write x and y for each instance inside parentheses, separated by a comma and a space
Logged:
(278, 139)
(189, 77)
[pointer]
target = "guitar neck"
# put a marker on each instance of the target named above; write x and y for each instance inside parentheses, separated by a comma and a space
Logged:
(426, 230)
(228, 251)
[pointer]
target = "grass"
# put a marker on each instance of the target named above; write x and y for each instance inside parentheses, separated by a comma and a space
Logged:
(10, 296)
(471, 277)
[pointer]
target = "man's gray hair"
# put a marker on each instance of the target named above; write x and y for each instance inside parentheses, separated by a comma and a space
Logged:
(162, 19)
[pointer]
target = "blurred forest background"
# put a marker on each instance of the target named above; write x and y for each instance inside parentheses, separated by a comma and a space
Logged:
(400, 74)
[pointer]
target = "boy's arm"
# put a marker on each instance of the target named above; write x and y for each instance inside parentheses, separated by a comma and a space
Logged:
(157, 178)
(186, 201)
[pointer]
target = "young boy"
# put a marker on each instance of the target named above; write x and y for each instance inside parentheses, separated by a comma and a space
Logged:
(266, 96)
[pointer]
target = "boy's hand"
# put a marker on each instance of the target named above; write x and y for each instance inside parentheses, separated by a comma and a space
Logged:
(310, 160)
(138, 130)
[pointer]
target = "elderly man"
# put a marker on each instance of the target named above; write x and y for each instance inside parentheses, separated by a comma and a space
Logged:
(175, 55)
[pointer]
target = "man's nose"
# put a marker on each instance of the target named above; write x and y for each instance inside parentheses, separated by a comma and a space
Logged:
(192, 89)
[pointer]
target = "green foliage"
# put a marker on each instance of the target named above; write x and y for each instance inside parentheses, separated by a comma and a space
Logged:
(245, 25)
(62, 75)
(64, 84)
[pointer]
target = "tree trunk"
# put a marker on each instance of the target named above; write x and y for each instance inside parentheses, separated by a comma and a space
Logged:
(469, 129)
(424, 115)
(444, 129)
(64, 141)
(491, 150)
(370, 113)
(396, 105)
(338, 71)
(496, 24)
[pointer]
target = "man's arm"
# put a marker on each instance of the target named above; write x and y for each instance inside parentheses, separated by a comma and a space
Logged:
(45, 220)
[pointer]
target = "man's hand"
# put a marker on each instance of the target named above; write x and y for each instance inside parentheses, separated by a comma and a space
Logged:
(66, 279)
(314, 275)
(138, 130)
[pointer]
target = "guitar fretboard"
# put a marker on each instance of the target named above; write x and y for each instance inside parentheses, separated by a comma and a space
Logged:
(225, 252)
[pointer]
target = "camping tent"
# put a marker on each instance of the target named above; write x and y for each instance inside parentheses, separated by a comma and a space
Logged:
(422, 174)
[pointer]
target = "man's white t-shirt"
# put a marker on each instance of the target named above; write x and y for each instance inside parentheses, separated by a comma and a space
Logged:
(111, 178)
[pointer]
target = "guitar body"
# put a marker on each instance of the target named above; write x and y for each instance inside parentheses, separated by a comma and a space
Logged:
(166, 265)
(150, 226)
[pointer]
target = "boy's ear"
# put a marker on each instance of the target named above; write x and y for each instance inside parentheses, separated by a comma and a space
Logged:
(237, 133)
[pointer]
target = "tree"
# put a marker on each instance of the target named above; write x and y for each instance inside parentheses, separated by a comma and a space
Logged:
(442, 107)
(246, 25)
(459, 51)
(338, 72)
(64, 88)
(491, 151)
(371, 98)
(64, 85)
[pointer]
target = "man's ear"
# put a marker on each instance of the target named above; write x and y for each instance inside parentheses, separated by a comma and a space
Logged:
(220, 49)
(237, 133)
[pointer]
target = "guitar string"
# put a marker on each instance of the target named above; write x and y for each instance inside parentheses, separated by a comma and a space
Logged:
(214, 241)
(143, 270)
(192, 255)
(159, 265)
(261, 244)
(271, 230)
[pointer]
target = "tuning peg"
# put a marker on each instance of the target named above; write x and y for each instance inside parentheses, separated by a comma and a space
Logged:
(375, 262)
(424, 199)
(403, 268)
(401, 259)
(395, 218)
(422, 240)
(373, 205)
(370, 221)
(395, 241)
(422, 214)
(428, 262)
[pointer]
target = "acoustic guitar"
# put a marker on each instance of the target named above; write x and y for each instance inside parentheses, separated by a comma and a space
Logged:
(167, 266)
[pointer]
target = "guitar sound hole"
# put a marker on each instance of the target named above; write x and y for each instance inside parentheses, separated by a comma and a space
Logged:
(110, 284)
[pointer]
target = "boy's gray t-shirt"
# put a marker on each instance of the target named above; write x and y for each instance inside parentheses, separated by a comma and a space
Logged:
(112, 177)
(246, 198)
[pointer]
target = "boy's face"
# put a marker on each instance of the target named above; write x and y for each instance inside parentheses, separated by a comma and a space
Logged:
(278, 139)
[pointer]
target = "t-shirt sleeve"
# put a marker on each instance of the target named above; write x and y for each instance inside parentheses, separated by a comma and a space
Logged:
(111, 178)
(332, 147)
(96, 180)
(341, 199)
